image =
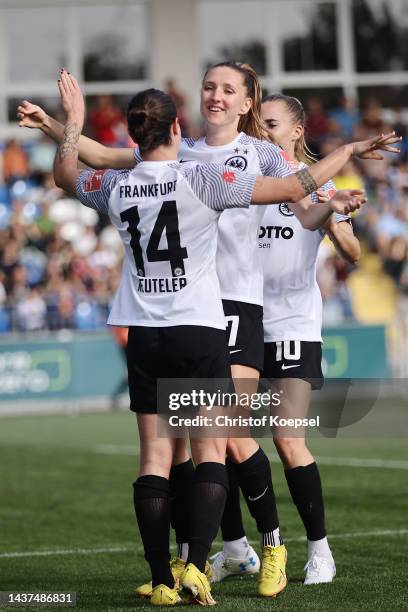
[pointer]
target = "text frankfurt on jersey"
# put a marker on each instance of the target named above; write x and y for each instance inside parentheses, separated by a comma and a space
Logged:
(151, 190)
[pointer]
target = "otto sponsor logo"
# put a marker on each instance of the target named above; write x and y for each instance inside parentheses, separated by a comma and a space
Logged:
(275, 231)
(237, 161)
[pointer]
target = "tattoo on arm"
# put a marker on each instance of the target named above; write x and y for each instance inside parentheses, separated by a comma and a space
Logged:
(69, 142)
(306, 180)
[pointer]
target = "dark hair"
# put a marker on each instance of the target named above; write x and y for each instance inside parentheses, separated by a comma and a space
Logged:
(150, 114)
(297, 112)
(250, 123)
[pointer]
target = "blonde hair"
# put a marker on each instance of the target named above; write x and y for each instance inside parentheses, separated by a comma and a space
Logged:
(297, 112)
(251, 123)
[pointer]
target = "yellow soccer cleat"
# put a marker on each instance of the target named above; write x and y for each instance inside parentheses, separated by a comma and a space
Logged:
(195, 584)
(177, 566)
(272, 575)
(163, 595)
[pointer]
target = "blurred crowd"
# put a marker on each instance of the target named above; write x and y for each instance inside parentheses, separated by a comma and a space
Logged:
(60, 262)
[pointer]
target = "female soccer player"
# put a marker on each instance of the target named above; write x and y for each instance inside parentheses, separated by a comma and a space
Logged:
(230, 103)
(292, 329)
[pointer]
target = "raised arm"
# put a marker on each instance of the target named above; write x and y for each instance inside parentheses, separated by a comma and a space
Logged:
(66, 157)
(91, 153)
(297, 186)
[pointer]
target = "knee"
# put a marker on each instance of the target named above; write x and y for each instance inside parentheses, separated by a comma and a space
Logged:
(289, 449)
(208, 450)
(240, 449)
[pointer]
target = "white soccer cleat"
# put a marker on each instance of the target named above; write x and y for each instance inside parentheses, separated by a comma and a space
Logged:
(223, 566)
(319, 570)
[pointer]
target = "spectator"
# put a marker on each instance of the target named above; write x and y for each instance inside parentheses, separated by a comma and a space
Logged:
(15, 163)
(345, 118)
(317, 123)
(106, 121)
(31, 311)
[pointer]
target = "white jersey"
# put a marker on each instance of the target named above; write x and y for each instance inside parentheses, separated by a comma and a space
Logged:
(292, 298)
(239, 265)
(167, 217)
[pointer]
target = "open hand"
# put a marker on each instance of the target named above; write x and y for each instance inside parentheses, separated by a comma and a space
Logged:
(346, 201)
(370, 149)
(72, 99)
(30, 115)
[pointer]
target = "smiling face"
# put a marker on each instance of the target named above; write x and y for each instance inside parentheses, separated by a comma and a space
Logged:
(224, 97)
(282, 128)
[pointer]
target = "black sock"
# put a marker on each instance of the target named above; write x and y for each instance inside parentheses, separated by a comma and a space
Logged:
(232, 527)
(306, 490)
(181, 481)
(152, 506)
(208, 495)
(255, 480)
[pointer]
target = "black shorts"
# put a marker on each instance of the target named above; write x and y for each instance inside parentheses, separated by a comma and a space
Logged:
(183, 351)
(294, 359)
(244, 333)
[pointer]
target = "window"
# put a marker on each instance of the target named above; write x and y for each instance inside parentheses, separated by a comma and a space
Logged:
(234, 31)
(114, 42)
(381, 35)
(308, 35)
(36, 42)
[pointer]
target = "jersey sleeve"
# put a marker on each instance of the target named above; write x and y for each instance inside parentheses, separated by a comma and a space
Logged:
(137, 155)
(273, 160)
(94, 187)
(219, 187)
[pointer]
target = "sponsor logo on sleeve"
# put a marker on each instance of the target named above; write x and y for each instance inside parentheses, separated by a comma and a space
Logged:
(229, 176)
(94, 181)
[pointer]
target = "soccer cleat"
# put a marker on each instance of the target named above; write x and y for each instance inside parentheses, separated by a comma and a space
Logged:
(272, 575)
(162, 595)
(223, 566)
(177, 566)
(319, 570)
(196, 586)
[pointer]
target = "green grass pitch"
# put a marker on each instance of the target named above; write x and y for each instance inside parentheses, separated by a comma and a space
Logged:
(65, 487)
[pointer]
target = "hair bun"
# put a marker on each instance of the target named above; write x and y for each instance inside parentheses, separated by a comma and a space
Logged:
(139, 117)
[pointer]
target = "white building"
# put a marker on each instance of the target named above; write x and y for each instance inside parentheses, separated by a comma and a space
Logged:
(356, 47)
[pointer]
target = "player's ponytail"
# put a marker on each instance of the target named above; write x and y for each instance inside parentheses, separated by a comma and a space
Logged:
(251, 123)
(297, 112)
(150, 114)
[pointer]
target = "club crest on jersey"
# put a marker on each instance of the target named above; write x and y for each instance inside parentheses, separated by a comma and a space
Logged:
(285, 210)
(94, 181)
(237, 161)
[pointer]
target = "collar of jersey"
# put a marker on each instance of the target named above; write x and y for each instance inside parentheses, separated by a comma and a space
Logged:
(203, 145)
(156, 163)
